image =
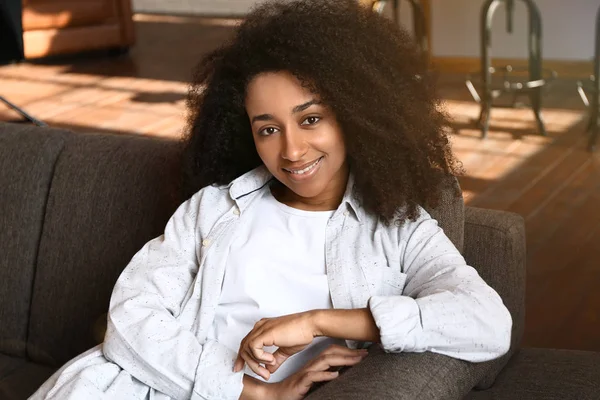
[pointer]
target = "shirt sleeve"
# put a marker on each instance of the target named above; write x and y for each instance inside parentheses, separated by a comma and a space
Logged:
(144, 336)
(446, 307)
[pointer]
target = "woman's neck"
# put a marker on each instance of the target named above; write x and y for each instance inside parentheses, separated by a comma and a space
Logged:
(328, 200)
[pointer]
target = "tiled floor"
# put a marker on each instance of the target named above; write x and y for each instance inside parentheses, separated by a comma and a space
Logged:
(552, 181)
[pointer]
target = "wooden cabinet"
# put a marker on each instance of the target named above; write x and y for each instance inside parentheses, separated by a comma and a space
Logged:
(52, 27)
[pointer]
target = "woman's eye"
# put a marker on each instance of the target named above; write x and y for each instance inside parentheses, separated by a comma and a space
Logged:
(267, 131)
(311, 120)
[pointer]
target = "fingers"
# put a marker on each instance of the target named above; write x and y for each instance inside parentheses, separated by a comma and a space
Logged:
(255, 341)
(239, 363)
(251, 348)
(244, 356)
(312, 377)
(279, 357)
(258, 369)
(319, 370)
(335, 360)
(337, 349)
(337, 356)
(259, 354)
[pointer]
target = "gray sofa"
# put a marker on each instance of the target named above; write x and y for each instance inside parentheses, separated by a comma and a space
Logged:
(74, 208)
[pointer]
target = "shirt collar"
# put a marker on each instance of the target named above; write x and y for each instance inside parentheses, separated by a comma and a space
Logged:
(258, 179)
(351, 198)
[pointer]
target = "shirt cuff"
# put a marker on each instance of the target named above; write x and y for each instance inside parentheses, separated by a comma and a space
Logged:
(399, 322)
(215, 378)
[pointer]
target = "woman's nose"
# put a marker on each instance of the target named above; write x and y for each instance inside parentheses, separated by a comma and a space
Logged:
(293, 146)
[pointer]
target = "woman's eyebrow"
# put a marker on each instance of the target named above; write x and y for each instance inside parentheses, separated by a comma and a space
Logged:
(297, 109)
(262, 117)
(304, 106)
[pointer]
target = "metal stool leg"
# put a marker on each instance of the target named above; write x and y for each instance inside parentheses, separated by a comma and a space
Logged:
(595, 104)
(535, 62)
(536, 102)
(22, 112)
(396, 7)
(420, 27)
(484, 117)
(536, 79)
(419, 21)
(593, 127)
(593, 115)
(594, 136)
(487, 16)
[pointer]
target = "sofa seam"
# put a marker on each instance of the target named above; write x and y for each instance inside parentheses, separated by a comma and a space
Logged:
(425, 386)
(39, 241)
(502, 230)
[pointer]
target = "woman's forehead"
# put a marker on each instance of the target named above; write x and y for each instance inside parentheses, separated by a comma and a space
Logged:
(278, 88)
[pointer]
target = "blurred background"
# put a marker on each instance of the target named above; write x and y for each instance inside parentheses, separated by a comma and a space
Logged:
(123, 66)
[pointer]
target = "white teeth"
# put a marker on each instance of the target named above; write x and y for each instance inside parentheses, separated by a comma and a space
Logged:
(305, 170)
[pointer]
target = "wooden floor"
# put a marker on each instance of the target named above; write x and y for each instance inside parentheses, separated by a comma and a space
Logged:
(552, 181)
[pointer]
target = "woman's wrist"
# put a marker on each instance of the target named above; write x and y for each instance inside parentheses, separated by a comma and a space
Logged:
(355, 324)
(317, 317)
(255, 389)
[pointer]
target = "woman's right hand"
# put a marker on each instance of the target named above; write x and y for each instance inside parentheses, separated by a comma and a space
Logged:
(297, 385)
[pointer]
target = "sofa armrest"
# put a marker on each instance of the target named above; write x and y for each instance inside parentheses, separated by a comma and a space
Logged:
(99, 328)
(403, 376)
(495, 246)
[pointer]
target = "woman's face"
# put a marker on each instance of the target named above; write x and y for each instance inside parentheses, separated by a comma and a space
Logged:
(297, 138)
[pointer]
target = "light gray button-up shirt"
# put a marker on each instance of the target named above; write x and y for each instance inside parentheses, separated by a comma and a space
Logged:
(422, 294)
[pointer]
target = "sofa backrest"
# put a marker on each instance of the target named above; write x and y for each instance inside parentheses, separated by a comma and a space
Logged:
(75, 209)
(450, 213)
(110, 194)
(27, 159)
(97, 200)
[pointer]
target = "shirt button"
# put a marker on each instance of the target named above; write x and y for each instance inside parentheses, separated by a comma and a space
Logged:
(206, 242)
(236, 211)
(346, 213)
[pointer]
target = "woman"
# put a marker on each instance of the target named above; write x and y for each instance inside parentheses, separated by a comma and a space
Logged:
(315, 140)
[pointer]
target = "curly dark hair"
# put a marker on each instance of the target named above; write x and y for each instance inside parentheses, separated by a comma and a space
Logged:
(361, 65)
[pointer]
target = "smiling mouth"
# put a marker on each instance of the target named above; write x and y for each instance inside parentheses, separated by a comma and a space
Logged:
(304, 170)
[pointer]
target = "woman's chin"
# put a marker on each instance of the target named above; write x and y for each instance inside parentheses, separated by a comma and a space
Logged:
(306, 190)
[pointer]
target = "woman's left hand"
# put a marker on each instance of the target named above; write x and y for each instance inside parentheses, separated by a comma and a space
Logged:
(291, 333)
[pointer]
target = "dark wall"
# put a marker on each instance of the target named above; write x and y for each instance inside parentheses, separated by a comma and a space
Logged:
(11, 31)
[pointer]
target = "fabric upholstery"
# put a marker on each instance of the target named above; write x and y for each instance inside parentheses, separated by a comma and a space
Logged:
(546, 374)
(402, 376)
(27, 158)
(495, 246)
(23, 381)
(450, 213)
(9, 364)
(110, 195)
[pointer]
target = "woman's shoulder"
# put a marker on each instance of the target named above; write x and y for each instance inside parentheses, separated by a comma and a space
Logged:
(399, 230)
(211, 196)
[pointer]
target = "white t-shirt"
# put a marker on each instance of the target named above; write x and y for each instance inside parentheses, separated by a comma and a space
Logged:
(275, 267)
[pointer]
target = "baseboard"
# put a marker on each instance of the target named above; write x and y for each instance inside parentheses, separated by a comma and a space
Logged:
(581, 69)
(208, 8)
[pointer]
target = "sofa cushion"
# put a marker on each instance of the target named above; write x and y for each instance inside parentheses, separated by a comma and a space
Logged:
(110, 195)
(402, 376)
(546, 374)
(9, 364)
(23, 381)
(27, 158)
(495, 246)
(450, 213)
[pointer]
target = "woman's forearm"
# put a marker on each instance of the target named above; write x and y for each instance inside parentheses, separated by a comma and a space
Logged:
(356, 324)
(254, 389)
